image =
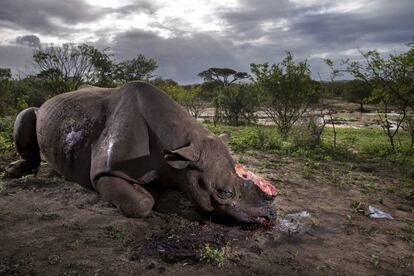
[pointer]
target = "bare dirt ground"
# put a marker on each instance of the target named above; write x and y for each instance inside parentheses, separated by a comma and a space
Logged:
(50, 226)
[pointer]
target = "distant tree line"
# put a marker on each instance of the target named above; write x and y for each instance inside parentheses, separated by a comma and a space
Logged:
(284, 91)
(65, 68)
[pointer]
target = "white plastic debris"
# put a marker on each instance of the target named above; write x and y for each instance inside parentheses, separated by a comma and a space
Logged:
(303, 214)
(293, 223)
(377, 213)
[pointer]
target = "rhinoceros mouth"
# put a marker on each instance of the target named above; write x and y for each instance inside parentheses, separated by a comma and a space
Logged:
(265, 216)
(262, 220)
(265, 222)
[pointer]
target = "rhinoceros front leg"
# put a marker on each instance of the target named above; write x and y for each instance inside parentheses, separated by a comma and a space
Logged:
(131, 201)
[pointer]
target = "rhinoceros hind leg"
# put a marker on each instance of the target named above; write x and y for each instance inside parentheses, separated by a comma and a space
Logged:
(132, 202)
(25, 139)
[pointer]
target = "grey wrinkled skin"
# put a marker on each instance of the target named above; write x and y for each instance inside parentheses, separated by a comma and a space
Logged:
(109, 139)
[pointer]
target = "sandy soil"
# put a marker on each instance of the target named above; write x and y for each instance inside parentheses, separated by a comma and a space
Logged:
(50, 226)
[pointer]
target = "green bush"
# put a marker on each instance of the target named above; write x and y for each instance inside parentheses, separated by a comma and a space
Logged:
(6, 133)
(307, 133)
(212, 255)
(236, 105)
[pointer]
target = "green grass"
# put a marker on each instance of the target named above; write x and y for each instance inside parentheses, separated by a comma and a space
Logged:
(6, 134)
(408, 229)
(358, 145)
(362, 145)
(212, 255)
(366, 141)
(116, 233)
(250, 137)
(375, 260)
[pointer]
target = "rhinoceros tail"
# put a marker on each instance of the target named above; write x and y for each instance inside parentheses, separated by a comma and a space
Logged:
(25, 139)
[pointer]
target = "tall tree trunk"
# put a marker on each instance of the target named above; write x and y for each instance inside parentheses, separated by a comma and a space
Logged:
(334, 130)
(391, 138)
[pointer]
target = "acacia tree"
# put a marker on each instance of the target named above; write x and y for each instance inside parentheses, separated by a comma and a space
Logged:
(392, 83)
(222, 76)
(286, 91)
(216, 80)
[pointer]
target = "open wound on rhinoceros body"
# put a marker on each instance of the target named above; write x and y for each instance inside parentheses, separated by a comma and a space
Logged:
(72, 143)
(264, 185)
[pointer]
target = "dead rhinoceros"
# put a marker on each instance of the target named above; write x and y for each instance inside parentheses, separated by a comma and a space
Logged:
(110, 139)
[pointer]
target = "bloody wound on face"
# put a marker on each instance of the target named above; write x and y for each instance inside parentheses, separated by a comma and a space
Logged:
(264, 185)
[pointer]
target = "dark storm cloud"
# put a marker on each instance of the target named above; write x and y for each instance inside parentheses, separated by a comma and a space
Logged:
(380, 21)
(44, 16)
(317, 29)
(375, 23)
(255, 31)
(29, 40)
(38, 16)
(245, 21)
(180, 58)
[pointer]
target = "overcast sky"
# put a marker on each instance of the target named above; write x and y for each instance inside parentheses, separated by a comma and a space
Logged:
(188, 36)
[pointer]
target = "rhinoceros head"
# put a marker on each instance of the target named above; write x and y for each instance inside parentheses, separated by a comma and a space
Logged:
(207, 175)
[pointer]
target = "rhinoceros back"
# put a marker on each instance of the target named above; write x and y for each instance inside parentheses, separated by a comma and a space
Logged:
(67, 126)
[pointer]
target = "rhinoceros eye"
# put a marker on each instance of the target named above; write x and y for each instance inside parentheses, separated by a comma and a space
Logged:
(224, 194)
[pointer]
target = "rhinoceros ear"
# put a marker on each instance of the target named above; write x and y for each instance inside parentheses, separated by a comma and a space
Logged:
(224, 137)
(183, 157)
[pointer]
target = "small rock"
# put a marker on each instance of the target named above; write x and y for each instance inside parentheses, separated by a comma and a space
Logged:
(53, 259)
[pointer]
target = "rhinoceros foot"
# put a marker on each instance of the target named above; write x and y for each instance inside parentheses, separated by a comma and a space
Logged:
(21, 168)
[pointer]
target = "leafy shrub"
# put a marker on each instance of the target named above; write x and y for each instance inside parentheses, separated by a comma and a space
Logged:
(308, 132)
(308, 167)
(236, 105)
(6, 130)
(286, 91)
(212, 255)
